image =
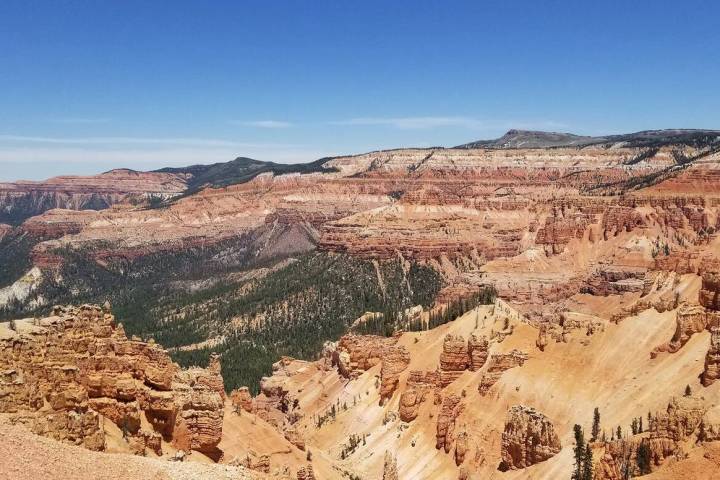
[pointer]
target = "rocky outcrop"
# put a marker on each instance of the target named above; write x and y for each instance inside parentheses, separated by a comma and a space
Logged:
(241, 399)
(458, 356)
(394, 361)
(358, 353)
(390, 467)
(667, 434)
(461, 447)
(355, 354)
(619, 219)
(306, 473)
(614, 280)
(712, 359)
(453, 359)
(542, 338)
(710, 290)
(679, 420)
(529, 438)
(450, 410)
(62, 373)
(690, 319)
(478, 352)
(418, 387)
(559, 230)
(498, 364)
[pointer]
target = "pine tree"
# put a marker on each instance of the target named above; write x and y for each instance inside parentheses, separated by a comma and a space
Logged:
(643, 458)
(619, 432)
(596, 424)
(579, 452)
(587, 473)
(688, 391)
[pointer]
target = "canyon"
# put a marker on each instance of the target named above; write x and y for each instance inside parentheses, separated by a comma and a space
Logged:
(402, 314)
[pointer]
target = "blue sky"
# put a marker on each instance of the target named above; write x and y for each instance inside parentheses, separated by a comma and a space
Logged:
(86, 86)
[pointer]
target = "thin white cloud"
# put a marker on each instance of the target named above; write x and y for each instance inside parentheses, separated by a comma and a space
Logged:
(429, 122)
(412, 122)
(189, 142)
(265, 124)
(79, 120)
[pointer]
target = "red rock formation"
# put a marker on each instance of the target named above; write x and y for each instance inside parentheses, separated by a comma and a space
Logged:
(712, 359)
(80, 365)
(419, 386)
(358, 353)
(390, 467)
(558, 231)
(710, 291)
(690, 320)
(453, 359)
(306, 473)
(529, 438)
(619, 219)
(498, 364)
(478, 351)
(394, 361)
(242, 399)
(25, 199)
(665, 437)
(450, 410)
(461, 447)
(615, 280)
(542, 339)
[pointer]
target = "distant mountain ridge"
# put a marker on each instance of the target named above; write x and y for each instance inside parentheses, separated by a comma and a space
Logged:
(239, 170)
(647, 138)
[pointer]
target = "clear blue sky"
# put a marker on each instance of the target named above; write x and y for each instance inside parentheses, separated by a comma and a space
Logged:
(90, 85)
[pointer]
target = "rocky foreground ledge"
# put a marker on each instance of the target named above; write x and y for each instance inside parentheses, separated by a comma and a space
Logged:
(65, 375)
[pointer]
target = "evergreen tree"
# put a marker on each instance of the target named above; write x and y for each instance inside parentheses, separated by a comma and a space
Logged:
(596, 424)
(579, 453)
(688, 391)
(587, 473)
(643, 458)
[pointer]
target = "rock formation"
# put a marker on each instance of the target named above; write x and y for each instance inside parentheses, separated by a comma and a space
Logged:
(394, 361)
(242, 399)
(450, 410)
(710, 291)
(712, 359)
(306, 473)
(62, 373)
(24, 199)
(667, 433)
(390, 467)
(453, 359)
(478, 351)
(529, 438)
(461, 447)
(419, 386)
(497, 365)
(357, 353)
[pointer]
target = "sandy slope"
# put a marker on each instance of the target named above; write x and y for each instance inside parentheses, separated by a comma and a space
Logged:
(30, 457)
(611, 370)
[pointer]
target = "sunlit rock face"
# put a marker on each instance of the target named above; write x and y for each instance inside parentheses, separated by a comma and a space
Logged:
(65, 371)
